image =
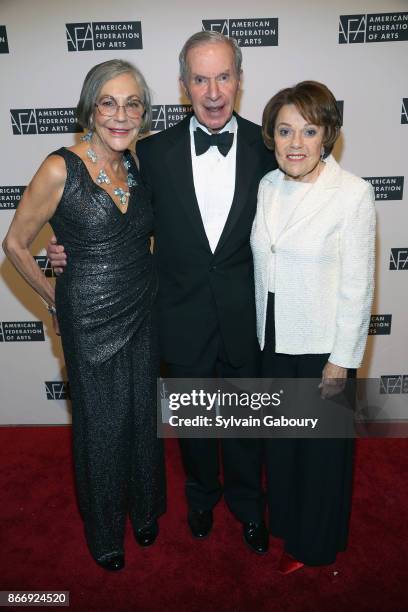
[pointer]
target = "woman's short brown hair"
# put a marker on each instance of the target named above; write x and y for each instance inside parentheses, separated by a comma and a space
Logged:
(314, 101)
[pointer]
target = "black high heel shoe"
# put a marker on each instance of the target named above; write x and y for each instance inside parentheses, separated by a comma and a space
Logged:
(112, 564)
(147, 536)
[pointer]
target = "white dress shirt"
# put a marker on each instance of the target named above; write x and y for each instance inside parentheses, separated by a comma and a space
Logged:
(214, 181)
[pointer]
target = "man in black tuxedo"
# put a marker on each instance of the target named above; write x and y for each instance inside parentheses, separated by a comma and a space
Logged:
(204, 175)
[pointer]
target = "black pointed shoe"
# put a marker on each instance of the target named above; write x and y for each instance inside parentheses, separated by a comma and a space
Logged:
(147, 535)
(200, 522)
(112, 564)
(256, 537)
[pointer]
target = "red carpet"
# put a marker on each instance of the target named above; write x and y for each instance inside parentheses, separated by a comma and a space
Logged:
(42, 545)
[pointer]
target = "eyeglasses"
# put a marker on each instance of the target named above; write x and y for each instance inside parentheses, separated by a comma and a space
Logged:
(134, 108)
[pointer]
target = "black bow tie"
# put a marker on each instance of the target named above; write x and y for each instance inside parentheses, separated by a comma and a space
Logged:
(204, 141)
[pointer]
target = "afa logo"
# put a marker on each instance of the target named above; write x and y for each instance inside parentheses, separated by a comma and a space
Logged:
(399, 259)
(380, 325)
(373, 27)
(21, 331)
(104, 35)
(340, 107)
(24, 121)
(387, 187)
(57, 390)
(392, 384)
(4, 48)
(404, 111)
(44, 121)
(44, 265)
(167, 115)
(10, 196)
(249, 32)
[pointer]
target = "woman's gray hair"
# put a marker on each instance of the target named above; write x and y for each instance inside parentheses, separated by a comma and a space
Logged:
(205, 37)
(94, 81)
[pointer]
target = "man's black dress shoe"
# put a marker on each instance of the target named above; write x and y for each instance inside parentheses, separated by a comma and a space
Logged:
(113, 564)
(200, 522)
(147, 535)
(256, 536)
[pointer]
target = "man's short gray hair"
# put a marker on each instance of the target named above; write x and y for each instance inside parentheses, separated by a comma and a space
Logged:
(206, 37)
(95, 80)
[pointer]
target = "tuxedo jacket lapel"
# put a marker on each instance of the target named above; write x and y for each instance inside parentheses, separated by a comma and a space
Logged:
(320, 193)
(316, 198)
(246, 166)
(178, 160)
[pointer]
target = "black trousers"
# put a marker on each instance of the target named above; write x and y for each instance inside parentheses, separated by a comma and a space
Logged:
(309, 481)
(241, 458)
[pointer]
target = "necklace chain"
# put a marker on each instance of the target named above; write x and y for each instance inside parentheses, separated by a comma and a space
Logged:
(104, 178)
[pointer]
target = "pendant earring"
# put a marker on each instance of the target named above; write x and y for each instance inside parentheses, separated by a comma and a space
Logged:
(322, 152)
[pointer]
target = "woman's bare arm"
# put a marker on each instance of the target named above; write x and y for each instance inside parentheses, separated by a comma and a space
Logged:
(37, 206)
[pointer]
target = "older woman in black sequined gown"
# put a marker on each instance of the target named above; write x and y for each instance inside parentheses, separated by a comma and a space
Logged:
(104, 304)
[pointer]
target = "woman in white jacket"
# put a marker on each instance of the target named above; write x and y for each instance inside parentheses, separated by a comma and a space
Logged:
(313, 247)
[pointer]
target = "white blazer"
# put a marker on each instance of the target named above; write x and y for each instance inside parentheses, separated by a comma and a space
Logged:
(324, 266)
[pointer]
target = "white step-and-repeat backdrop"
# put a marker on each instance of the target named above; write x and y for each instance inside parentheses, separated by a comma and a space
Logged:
(359, 49)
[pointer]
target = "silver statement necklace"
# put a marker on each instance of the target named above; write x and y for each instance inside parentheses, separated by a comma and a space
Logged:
(104, 178)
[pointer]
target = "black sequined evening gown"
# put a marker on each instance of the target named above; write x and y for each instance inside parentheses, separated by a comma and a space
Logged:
(105, 308)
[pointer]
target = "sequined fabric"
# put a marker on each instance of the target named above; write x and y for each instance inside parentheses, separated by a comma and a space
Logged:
(109, 284)
(105, 307)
